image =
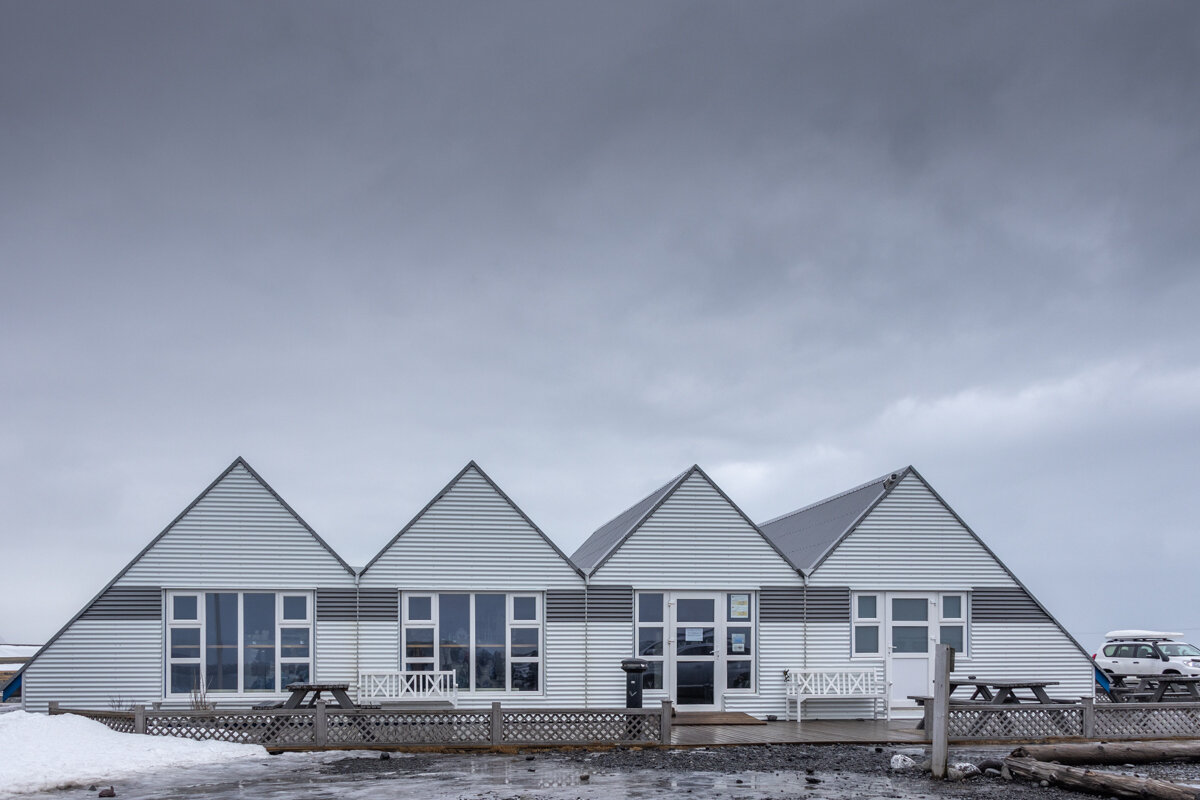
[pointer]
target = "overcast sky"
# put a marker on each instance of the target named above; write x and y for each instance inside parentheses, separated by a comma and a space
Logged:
(589, 245)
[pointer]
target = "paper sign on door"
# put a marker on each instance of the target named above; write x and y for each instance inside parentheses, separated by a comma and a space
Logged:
(737, 642)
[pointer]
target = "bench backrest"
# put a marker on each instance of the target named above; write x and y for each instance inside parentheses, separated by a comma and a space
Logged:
(835, 682)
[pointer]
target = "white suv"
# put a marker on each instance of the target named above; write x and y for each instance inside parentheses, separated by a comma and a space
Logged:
(1147, 653)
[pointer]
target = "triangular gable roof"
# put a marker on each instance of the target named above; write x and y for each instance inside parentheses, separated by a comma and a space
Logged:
(239, 461)
(608, 538)
(471, 465)
(809, 534)
(866, 498)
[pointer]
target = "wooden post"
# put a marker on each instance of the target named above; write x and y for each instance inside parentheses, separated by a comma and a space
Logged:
(53, 707)
(139, 719)
(664, 728)
(1088, 714)
(497, 724)
(941, 710)
(320, 724)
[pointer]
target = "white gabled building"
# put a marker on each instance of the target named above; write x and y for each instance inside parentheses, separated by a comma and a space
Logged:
(686, 581)
(892, 570)
(476, 595)
(237, 597)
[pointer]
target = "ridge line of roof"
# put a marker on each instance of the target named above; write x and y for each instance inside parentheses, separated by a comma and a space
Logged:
(831, 498)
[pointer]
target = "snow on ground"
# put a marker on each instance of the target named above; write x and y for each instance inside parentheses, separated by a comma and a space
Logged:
(40, 752)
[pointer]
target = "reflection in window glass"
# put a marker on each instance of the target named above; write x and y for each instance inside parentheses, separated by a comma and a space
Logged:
(694, 641)
(650, 641)
(737, 675)
(524, 608)
(185, 678)
(524, 642)
(910, 639)
(525, 676)
(866, 607)
(650, 607)
(454, 636)
(221, 641)
(952, 606)
(652, 678)
(688, 609)
(490, 618)
(910, 609)
(293, 642)
(295, 607)
(184, 606)
(866, 639)
(420, 608)
(293, 673)
(258, 642)
(418, 643)
(185, 643)
(953, 636)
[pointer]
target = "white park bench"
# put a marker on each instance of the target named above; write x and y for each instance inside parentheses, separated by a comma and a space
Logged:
(843, 683)
(409, 688)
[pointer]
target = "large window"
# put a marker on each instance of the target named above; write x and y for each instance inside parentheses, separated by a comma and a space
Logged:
(491, 641)
(237, 642)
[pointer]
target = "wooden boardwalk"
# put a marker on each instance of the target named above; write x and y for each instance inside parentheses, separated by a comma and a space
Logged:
(810, 731)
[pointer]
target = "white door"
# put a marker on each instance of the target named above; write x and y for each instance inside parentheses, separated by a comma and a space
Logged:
(910, 629)
(696, 646)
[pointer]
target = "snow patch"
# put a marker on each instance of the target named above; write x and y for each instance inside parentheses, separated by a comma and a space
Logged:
(42, 752)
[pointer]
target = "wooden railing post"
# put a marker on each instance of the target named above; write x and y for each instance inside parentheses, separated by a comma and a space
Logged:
(497, 724)
(53, 707)
(1088, 715)
(320, 724)
(664, 726)
(942, 664)
(139, 719)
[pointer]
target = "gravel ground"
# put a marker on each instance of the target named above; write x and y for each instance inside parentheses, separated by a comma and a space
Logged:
(800, 771)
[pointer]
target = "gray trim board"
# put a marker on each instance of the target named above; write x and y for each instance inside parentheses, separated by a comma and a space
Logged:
(610, 603)
(363, 604)
(566, 605)
(1005, 604)
(127, 603)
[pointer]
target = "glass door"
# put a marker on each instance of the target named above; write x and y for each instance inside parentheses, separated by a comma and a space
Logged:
(694, 633)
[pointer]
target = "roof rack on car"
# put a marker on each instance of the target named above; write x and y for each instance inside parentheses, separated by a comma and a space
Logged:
(1140, 634)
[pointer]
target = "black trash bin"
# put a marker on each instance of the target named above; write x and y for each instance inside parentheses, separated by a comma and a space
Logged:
(634, 667)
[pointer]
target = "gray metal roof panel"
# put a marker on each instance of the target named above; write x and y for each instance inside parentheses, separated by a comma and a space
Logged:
(806, 534)
(608, 536)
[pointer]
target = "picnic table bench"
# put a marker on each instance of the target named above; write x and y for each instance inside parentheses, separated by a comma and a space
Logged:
(992, 692)
(300, 692)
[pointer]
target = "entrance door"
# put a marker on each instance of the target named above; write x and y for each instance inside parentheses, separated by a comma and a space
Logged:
(694, 629)
(910, 646)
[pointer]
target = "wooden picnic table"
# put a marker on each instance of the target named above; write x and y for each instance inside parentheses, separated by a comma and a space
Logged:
(998, 692)
(1154, 688)
(301, 691)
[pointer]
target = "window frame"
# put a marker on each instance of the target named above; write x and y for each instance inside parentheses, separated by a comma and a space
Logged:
(510, 623)
(959, 621)
(200, 623)
(876, 622)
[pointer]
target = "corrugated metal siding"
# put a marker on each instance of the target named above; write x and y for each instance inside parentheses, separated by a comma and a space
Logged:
(696, 539)
(127, 602)
(334, 651)
(910, 542)
(98, 664)
(610, 603)
(471, 539)
(375, 604)
(238, 536)
(1028, 650)
(608, 643)
(378, 645)
(1005, 604)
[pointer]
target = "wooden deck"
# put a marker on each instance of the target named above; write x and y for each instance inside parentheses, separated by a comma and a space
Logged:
(848, 731)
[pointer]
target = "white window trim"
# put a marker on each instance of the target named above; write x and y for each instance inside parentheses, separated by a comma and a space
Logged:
(537, 623)
(200, 623)
(866, 622)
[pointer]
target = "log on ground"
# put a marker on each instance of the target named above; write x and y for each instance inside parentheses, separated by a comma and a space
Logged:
(1094, 782)
(1111, 752)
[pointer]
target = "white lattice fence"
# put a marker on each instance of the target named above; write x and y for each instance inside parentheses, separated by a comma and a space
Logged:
(1137, 720)
(580, 727)
(1014, 721)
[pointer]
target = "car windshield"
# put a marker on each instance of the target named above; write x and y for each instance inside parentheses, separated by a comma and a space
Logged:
(1179, 649)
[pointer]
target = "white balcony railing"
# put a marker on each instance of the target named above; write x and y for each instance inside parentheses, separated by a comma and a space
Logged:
(399, 686)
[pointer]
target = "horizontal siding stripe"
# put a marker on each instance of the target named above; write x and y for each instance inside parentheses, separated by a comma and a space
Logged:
(610, 603)
(127, 603)
(565, 605)
(828, 603)
(1005, 604)
(340, 604)
(781, 603)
